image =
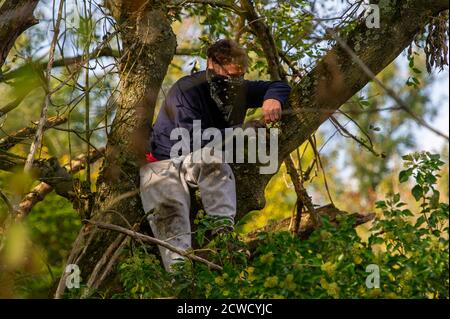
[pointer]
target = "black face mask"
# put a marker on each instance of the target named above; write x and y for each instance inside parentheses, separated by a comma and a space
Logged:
(224, 90)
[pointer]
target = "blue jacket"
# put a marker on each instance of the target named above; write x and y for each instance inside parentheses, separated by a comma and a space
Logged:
(189, 99)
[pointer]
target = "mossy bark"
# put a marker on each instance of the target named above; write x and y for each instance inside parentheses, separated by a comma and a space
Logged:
(148, 47)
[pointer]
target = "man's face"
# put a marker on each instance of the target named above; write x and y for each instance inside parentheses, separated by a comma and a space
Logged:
(232, 70)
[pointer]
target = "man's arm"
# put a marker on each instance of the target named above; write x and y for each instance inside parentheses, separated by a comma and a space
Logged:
(270, 95)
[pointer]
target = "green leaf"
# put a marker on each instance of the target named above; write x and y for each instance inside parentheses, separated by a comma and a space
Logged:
(430, 179)
(404, 175)
(435, 157)
(419, 221)
(364, 103)
(437, 233)
(407, 157)
(376, 240)
(380, 204)
(417, 192)
(407, 212)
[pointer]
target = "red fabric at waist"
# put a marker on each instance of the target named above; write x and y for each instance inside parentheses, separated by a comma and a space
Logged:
(150, 158)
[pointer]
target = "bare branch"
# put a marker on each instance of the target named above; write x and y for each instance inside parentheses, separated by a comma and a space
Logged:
(101, 51)
(346, 133)
(388, 90)
(302, 194)
(7, 202)
(38, 137)
(43, 189)
(152, 240)
(32, 198)
(262, 31)
(307, 225)
(27, 132)
(188, 51)
(92, 282)
(98, 52)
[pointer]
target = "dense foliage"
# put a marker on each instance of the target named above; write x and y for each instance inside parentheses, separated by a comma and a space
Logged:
(409, 248)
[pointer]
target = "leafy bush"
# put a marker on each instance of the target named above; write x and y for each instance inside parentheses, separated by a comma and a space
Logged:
(410, 250)
(46, 239)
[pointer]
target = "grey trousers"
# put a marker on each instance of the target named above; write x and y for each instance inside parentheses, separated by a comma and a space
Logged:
(164, 188)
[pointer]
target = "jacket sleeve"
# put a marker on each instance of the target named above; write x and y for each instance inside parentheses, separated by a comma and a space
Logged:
(259, 91)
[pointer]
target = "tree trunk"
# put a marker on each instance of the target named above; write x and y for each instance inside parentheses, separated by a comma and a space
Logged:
(16, 16)
(148, 47)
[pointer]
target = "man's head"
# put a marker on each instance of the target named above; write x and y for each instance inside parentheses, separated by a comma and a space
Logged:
(227, 64)
(227, 58)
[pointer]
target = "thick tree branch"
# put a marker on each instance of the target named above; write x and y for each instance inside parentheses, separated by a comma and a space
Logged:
(49, 171)
(276, 71)
(334, 80)
(337, 77)
(43, 189)
(17, 137)
(80, 59)
(148, 45)
(262, 31)
(307, 225)
(16, 16)
(388, 90)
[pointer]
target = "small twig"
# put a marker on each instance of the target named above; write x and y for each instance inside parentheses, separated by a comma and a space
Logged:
(346, 133)
(302, 194)
(92, 282)
(7, 202)
(38, 137)
(388, 90)
(112, 261)
(312, 140)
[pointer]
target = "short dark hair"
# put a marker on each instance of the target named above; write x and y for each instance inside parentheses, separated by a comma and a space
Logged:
(227, 51)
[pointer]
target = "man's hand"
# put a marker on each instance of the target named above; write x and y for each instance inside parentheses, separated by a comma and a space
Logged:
(272, 110)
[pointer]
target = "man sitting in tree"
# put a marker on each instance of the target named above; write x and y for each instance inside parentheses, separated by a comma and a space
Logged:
(219, 97)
